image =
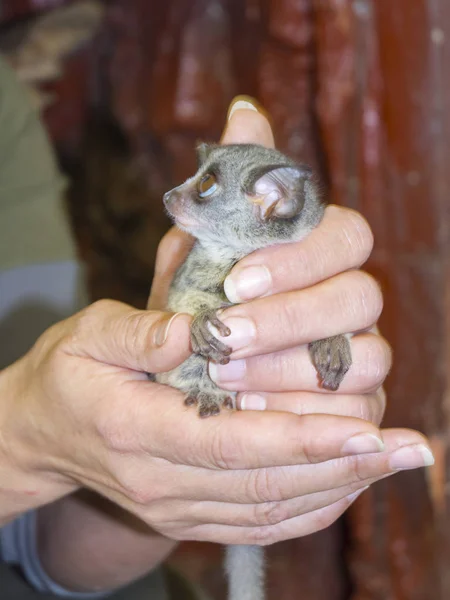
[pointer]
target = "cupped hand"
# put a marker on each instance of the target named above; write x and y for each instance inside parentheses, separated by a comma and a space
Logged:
(82, 411)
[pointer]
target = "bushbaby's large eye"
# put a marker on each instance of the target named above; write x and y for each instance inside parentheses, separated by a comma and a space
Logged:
(207, 185)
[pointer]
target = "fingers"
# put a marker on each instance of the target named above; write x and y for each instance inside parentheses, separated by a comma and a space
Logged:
(292, 370)
(347, 303)
(343, 240)
(369, 407)
(271, 534)
(148, 341)
(404, 449)
(172, 250)
(247, 124)
(223, 442)
(190, 514)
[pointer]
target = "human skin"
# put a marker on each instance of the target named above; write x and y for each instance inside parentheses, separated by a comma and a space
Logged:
(78, 413)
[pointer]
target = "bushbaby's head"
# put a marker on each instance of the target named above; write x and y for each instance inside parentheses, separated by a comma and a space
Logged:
(245, 196)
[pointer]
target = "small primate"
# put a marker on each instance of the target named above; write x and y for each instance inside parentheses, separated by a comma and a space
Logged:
(242, 198)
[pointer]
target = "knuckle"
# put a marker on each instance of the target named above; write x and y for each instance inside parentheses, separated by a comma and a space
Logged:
(377, 363)
(99, 307)
(116, 437)
(263, 487)
(138, 332)
(140, 495)
(279, 369)
(225, 450)
(290, 318)
(88, 318)
(112, 425)
(355, 469)
(360, 236)
(264, 536)
(142, 492)
(367, 408)
(270, 513)
(370, 297)
(312, 449)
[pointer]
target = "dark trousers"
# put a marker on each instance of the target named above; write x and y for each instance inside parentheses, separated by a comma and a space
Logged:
(163, 584)
(14, 587)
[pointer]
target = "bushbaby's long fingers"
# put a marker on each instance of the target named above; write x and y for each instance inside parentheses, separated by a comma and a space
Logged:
(211, 340)
(350, 302)
(292, 370)
(208, 349)
(219, 326)
(301, 264)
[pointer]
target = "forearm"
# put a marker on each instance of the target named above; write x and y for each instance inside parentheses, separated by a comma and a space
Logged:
(23, 486)
(86, 543)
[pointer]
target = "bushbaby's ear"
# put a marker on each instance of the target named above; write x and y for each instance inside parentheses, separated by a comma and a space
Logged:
(203, 151)
(279, 191)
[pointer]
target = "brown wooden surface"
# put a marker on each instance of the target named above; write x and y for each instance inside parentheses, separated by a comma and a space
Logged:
(358, 88)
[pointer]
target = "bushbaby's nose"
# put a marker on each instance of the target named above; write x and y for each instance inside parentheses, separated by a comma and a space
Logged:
(169, 198)
(174, 201)
(173, 197)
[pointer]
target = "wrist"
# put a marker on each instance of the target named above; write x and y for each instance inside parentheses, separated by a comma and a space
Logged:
(26, 482)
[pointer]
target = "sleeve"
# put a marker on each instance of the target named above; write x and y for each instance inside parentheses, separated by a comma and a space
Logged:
(18, 547)
(33, 225)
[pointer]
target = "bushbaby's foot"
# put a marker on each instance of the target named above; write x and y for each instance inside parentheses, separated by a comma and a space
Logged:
(204, 342)
(332, 358)
(209, 405)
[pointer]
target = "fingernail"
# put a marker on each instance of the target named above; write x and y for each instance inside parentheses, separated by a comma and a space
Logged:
(233, 371)
(362, 443)
(243, 332)
(352, 497)
(239, 103)
(162, 330)
(252, 402)
(248, 283)
(411, 457)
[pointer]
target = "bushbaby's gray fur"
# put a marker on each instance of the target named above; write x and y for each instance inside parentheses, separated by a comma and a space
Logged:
(258, 197)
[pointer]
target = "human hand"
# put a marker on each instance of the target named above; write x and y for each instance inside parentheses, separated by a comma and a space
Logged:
(78, 410)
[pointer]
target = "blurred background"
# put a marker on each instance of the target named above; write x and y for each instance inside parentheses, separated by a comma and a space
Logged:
(360, 89)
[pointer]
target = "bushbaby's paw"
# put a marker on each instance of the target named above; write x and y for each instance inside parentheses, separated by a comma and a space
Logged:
(204, 342)
(332, 358)
(209, 405)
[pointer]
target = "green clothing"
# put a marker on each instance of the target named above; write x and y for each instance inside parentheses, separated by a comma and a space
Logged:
(33, 227)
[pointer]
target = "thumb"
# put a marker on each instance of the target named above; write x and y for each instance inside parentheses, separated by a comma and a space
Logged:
(172, 250)
(247, 123)
(142, 340)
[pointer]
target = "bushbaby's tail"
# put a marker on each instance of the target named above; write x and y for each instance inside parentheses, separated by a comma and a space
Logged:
(245, 569)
